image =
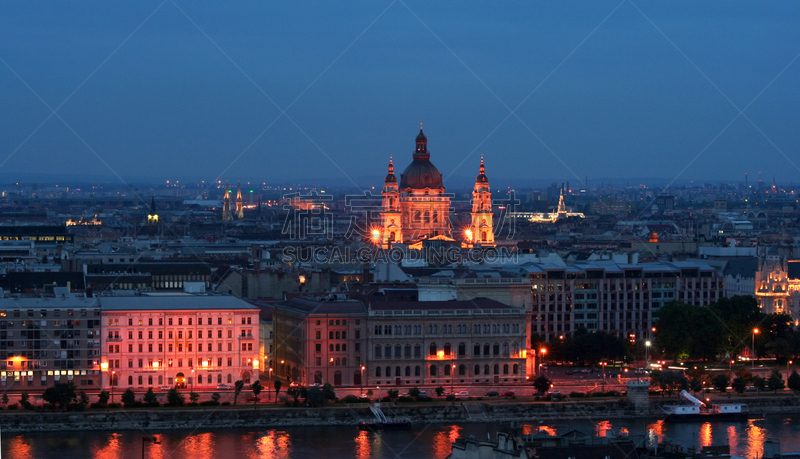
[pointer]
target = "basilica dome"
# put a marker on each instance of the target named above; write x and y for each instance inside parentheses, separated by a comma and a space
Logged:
(421, 173)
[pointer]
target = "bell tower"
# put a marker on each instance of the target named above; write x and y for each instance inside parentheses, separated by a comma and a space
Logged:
(226, 204)
(481, 230)
(239, 201)
(391, 216)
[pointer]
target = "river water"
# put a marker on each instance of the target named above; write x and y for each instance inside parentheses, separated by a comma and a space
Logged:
(423, 441)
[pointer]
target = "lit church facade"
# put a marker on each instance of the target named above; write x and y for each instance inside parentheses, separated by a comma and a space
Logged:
(417, 208)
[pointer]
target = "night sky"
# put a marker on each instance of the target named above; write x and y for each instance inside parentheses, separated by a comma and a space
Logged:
(153, 90)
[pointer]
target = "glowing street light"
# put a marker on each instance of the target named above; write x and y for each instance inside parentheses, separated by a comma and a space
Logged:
(753, 348)
(468, 234)
(646, 353)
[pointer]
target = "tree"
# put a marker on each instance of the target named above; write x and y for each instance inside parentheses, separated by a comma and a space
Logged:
(60, 395)
(5, 399)
(316, 396)
(721, 382)
(739, 384)
(414, 392)
(194, 397)
(102, 399)
(775, 381)
(256, 387)
(128, 398)
(439, 391)
(328, 391)
(277, 385)
(794, 381)
(175, 398)
(215, 397)
(238, 386)
(23, 400)
(294, 392)
(759, 383)
(542, 384)
(392, 394)
(150, 398)
(83, 398)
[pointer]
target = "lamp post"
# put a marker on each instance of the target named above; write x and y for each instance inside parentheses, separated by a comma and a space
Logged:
(154, 440)
(753, 349)
(191, 382)
(362, 381)
(269, 383)
(647, 353)
(452, 375)
(113, 383)
(543, 352)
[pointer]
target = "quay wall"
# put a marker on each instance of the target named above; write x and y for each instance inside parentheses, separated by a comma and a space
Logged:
(264, 417)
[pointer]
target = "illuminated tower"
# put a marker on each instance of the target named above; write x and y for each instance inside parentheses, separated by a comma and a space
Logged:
(152, 217)
(561, 210)
(226, 204)
(239, 202)
(391, 216)
(481, 230)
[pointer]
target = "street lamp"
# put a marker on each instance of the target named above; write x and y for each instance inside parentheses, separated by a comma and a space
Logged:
(362, 381)
(452, 375)
(646, 353)
(113, 383)
(269, 382)
(753, 349)
(542, 351)
(191, 382)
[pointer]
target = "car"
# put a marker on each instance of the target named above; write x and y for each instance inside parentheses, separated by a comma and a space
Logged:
(223, 386)
(751, 389)
(463, 393)
(555, 392)
(253, 399)
(423, 393)
(492, 393)
(165, 388)
(509, 393)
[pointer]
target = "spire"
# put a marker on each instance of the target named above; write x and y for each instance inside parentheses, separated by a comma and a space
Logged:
(482, 173)
(390, 177)
(239, 201)
(421, 151)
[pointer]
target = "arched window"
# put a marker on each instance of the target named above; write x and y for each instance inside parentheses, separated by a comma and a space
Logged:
(130, 380)
(433, 370)
(515, 369)
(140, 381)
(446, 348)
(388, 351)
(486, 369)
(219, 379)
(230, 378)
(149, 380)
(476, 349)
(505, 369)
(417, 370)
(462, 349)
(407, 353)
(378, 372)
(486, 349)
(408, 370)
(477, 370)
(432, 350)
(318, 377)
(496, 369)
(388, 371)
(378, 351)
(447, 370)
(417, 351)
(515, 348)
(462, 370)
(496, 348)
(397, 350)
(505, 349)
(397, 371)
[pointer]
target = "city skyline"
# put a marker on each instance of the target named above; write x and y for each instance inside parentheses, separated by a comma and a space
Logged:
(277, 93)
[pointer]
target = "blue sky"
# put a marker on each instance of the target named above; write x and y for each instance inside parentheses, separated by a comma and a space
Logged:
(195, 90)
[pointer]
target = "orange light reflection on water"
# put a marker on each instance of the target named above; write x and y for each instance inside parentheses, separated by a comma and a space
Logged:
(655, 433)
(442, 441)
(18, 447)
(201, 445)
(110, 450)
(706, 435)
(274, 444)
(363, 443)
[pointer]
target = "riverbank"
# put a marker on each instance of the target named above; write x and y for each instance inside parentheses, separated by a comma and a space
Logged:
(264, 416)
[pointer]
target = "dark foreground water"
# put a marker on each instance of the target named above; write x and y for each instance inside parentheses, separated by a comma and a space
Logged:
(423, 441)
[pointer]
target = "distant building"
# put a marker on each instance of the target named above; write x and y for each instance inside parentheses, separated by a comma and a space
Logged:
(777, 284)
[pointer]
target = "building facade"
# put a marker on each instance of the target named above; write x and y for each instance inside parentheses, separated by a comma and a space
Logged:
(44, 341)
(185, 341)
(622, 299)
(445, 342)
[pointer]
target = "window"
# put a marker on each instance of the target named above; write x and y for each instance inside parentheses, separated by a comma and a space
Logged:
(432, 351)
(150, 321)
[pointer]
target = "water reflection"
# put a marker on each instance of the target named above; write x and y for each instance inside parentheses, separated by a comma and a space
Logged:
(363, 448)
(110, 449)
(19, 447)
(443, 439)
(706, 437)
(201, 445)
(274, 444)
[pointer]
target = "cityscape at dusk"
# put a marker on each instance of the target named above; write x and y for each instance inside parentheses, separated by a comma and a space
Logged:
(399, 229)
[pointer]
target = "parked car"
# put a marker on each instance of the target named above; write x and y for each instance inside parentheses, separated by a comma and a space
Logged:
(492, 393)
(165, 388)
(463, 393)
(509, 393)
(223, 386)
(253, 399)
(423, 393)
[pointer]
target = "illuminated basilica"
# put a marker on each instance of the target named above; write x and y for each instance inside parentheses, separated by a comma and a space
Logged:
(416, 208)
